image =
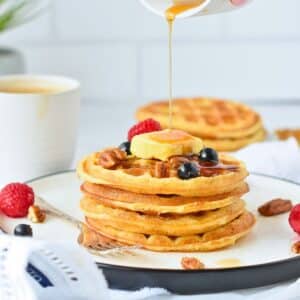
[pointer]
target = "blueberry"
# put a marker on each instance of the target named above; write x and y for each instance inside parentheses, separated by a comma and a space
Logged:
(125, 147)
(209, 155)
(188, 170)
(23, 230)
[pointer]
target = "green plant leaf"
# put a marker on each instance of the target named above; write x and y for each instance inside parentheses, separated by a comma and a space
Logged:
(8, 16)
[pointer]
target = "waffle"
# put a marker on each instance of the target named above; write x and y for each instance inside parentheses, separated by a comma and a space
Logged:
(216, 239)
(163, 200)
(205, 117)
(136, 175)
(173, 225)
(158, 204)
(284, 134)
(229, 145)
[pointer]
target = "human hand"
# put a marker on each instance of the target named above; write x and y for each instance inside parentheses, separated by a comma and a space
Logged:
(238, 2)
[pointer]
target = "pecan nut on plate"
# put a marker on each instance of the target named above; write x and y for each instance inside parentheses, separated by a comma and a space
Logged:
(296, 247)
(275, 207)
(36, 214)
(191, 263)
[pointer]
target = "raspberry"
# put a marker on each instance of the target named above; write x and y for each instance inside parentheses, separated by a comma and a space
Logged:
(145, 126)
(294, 218)
(15, 200)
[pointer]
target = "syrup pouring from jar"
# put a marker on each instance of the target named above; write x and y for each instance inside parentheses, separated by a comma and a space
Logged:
(173, 9)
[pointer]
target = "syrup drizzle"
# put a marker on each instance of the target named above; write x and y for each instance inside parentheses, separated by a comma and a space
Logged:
(211, 170)
(229, 263)
(219, 166)
(178, 7)
(170, 37)
(208, 169)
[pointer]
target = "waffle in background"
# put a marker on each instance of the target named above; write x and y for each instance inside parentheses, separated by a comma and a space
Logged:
(284, 134)
(222, 124)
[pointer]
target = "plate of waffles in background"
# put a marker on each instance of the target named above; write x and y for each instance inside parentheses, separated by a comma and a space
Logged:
(190, 219)
(222, 124)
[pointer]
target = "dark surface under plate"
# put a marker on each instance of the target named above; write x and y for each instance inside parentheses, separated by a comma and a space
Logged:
(202, 281)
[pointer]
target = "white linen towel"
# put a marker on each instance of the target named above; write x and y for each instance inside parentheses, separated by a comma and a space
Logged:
(38, 270)
(278, 158)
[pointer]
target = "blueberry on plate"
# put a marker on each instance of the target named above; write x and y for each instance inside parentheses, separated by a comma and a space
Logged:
(209, 155)
(23, 230)
(125, 147)
(188, 170)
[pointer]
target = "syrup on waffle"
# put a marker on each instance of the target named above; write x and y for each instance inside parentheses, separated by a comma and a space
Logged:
(136, 175)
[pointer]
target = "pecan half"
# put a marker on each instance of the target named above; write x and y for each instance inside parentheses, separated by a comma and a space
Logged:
(161, 170)
(36, 215)
(192, 263)
(111, 158)
(296, 247)
(176, 161)
(275, 207)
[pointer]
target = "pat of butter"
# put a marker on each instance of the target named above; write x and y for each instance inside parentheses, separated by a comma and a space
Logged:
(164, 144)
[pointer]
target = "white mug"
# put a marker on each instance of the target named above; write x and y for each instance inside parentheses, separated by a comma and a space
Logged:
(207, 7)
(39, 117)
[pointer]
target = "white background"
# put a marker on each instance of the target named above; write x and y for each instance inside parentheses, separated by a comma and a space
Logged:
(118, 50)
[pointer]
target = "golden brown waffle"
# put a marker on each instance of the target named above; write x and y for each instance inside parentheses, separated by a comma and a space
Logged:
(173, 225)
(159, 204)
(229, 145)
(94, 240)
(136, 175)
(207, 118)
(216, 239)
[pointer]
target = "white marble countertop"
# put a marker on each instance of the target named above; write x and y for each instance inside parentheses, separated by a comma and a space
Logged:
(103, 125)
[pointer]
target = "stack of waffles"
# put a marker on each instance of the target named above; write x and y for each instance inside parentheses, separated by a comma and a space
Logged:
(222, 124)
(149, 197)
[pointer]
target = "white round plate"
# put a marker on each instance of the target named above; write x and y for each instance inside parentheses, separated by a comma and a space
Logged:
(269, 242)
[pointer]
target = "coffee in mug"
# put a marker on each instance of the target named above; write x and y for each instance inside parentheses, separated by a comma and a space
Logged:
(38, 125)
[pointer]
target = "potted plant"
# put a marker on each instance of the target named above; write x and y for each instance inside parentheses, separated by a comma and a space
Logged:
(14, 13)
